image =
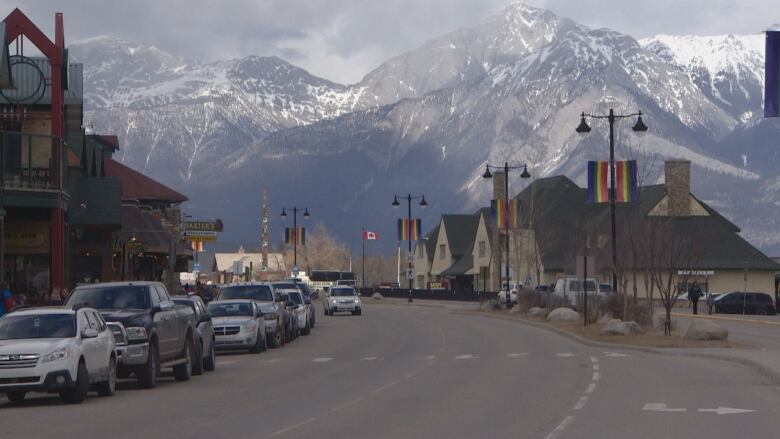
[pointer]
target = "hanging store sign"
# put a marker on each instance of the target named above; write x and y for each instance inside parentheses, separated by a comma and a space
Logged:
(26, 238)
(205, 226)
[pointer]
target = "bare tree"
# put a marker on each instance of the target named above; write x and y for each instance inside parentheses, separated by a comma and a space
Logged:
(320, 252)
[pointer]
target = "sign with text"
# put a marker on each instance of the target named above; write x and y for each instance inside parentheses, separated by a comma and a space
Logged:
(206, 226)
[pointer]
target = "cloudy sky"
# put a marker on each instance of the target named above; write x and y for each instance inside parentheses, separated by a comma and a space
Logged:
(342, 40)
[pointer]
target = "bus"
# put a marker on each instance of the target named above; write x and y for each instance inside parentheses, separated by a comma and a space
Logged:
(319, 279)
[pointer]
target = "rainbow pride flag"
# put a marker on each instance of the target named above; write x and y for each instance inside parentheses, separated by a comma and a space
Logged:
(598, 189)
(293, 235)
(407, 230)
(625, 181)
(501, 214)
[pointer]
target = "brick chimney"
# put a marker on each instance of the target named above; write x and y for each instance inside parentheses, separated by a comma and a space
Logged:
(678, 187)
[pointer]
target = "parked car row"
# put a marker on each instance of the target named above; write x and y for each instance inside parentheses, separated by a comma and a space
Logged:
(109, 331)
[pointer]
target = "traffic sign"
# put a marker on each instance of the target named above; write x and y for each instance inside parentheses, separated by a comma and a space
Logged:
(410, 274)
(196, 266)
(295, 270)
(409, 258)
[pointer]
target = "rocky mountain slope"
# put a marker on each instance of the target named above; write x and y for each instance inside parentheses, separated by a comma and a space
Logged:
(427, 121)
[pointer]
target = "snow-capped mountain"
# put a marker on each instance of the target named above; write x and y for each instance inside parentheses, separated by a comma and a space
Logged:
(727, 68)
(427, 121)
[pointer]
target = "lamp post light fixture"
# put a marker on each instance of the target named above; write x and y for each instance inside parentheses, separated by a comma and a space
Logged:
(524, 175)
(640, 129)
(423, 205)
(295, 227)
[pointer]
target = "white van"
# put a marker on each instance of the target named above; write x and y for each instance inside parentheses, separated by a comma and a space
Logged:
(570, 291)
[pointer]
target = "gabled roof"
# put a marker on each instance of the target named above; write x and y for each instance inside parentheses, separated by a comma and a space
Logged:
(137, 186)
(461, 230)
(460, 267)
(430, 242)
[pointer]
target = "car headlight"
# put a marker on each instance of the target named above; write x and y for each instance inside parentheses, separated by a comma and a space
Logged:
(270, 316)
(136, 333)
(60, 354)
(249, 327)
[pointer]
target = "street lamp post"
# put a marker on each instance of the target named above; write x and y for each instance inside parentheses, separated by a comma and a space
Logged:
(639, 128)
(523, 175)
(423, 204)
(295, 228)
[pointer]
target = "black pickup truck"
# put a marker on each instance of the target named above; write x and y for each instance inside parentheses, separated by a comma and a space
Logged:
(151, 332)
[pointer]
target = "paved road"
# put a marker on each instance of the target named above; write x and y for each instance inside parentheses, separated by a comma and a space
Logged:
(404, 371)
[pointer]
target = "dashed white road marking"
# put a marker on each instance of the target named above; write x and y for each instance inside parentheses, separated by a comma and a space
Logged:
(595, 367)
(429, 357)
(591, 388)
(564, 354)
(465, 357)
(581, 403)
(388, 385)
(411, 374)
(562, 426)
(616, 354)
(272, 360)
(594, 360)
(661, 407)
(346, 404)
(370, 358)
(292, 427)
(517, 355)
(596, 376)
(322, 359)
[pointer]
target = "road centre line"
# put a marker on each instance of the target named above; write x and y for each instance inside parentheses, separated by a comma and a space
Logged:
(370, 358)
(596, 376)
(465, 357)
(562, 426)
(411, 374)
(595, 367)
(322, 359)
(346, 404)
(386, 386)
(581, 403)
(591, 388)
(292, 427)
(517, 355)
(594, 360)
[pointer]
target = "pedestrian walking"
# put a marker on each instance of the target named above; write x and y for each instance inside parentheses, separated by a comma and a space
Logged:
(694, 293)
(7, 300)
(710, 301)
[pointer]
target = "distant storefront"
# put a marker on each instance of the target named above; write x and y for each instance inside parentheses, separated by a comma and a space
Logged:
(28, 257)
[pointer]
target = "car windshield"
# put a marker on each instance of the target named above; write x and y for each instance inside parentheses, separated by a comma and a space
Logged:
(296, 298)
(111, 297)
(261, 293)
(37, 326)
(230, 309)
(342, 292)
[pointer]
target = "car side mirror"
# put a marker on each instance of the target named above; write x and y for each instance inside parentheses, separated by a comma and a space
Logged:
(156, 309)
(89, 333)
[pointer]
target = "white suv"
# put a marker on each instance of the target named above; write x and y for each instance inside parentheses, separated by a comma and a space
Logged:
(343, 299)
(56, 350)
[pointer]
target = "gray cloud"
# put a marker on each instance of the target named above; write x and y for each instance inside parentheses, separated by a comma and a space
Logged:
(344, 39)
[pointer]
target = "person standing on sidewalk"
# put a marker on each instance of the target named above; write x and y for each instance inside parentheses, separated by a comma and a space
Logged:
(694, 293)
(710, 301)
(7, 300)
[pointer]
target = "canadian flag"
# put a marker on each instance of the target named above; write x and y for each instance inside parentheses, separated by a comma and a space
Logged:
(370, 236)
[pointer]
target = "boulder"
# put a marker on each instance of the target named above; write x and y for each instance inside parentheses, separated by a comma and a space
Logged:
(563, 314)
(377, 296)
(491, 305)
(516, 310)
(617, 327)
(537, 312)
(659, 319)
(706, 330)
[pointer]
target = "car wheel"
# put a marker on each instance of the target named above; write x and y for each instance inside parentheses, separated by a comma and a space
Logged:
(183, 371)
(197, 365)
(258, 347)
(325, 310)
(16, 396)
(761, 311)
(265, 340)
(107, 387)
(77, 394)
(359, 312)
(277, 339)
(210, 362)
(147, 374)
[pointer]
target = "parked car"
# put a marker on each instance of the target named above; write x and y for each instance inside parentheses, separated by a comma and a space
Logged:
(56, 350)
(238, 324)
(569, 291)
(303, 311)
(204, 343)
(151, 331)
(307, 293)
(274, 312)
(342, 299)
(747, 303)
(291, 323)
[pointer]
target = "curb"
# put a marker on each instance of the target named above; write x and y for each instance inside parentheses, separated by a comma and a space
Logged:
(728, 319)
(762, 371)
